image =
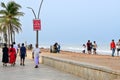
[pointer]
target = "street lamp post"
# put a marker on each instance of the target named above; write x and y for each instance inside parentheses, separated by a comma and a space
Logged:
(37, 31)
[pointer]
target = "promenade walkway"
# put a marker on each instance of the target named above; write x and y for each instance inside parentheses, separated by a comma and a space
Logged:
(28, 72)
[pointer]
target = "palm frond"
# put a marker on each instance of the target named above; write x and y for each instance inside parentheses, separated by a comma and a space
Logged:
(3, 5)
(9, 21)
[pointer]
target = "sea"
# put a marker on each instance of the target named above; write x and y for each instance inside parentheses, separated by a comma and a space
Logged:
(102, 49)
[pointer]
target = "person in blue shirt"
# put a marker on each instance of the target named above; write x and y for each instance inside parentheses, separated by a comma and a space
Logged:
(22, 54)
(58, 48)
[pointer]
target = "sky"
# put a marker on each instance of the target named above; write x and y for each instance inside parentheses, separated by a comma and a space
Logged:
(70, 21)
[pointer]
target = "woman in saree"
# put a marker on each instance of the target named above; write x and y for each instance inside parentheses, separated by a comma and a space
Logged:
(12, 55)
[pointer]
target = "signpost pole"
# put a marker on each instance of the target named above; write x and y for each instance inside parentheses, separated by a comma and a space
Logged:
(36, 27)
(37, 30)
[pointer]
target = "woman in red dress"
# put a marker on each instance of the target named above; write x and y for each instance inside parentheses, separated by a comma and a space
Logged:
(12, 55)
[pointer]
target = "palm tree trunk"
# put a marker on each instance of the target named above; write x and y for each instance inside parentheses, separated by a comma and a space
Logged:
(13, 36)
(9, 36)
(11, 32)
(5, 37)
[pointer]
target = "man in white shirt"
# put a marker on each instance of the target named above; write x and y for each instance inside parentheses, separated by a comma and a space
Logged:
(118, 47)
(36, 52)
(16, 49)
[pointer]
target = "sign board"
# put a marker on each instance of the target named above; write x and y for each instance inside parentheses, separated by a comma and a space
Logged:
(36, 24)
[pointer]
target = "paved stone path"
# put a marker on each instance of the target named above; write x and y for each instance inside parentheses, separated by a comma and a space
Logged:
(28, 72)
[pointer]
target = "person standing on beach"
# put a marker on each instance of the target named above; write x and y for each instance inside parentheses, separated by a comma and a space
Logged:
(22, 54)
(113, 47)
(118, 47)
(36, 52)
(94, 47)
(89, 47)
(5, 56)
(83, 48)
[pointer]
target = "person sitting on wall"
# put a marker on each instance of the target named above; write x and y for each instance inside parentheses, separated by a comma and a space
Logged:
(58, 48)
(55, 47)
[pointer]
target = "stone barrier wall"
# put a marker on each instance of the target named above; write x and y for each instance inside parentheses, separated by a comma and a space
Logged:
(84, 70)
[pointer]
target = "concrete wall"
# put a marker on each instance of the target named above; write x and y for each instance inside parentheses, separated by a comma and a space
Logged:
(84, 70)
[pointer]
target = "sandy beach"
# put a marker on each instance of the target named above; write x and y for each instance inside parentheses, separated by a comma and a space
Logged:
(100, 60)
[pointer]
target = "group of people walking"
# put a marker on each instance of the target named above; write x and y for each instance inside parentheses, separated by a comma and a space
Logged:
(90, 46)
(114, 46)
(10, 54)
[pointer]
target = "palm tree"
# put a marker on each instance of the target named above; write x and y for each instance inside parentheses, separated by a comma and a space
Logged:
(9, 21)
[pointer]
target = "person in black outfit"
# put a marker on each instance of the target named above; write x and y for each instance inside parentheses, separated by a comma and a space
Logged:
(5, 56)
(89, 47)
(55, 47)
